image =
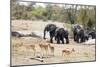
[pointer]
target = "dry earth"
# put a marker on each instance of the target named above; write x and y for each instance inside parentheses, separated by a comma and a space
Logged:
(22, 55)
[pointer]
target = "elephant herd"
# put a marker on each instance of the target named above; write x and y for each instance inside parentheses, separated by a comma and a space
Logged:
(80, 35)
(58, 33)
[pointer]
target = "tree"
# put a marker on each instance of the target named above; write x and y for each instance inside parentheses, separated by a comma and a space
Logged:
(84, 17)
(66, 13)
(90, 23)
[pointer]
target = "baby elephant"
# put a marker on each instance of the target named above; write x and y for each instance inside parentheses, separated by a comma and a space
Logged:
(61, 34)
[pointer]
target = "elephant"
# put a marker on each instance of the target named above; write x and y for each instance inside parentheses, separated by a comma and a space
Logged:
(60, 34)
(57, 33)
(51, 28)
(75, 29)
(80, 34)
(92, 34)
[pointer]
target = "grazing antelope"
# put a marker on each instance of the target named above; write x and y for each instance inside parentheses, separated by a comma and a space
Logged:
(44, 47)
(67, 51)
(51, 49)
(31, 47)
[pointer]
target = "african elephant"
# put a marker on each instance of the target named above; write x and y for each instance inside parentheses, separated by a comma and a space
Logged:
(60, 34)
(51, 28)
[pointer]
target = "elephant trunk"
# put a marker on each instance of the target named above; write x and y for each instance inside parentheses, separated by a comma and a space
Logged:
(44, 34)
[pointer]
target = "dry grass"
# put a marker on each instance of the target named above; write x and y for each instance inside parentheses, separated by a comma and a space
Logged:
(22, 53)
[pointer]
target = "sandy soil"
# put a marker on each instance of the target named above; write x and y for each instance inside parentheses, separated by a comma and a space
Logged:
(22, 55)
(32, 25)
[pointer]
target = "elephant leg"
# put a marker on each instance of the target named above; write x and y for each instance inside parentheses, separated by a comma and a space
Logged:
(58, 40)
(77, 39)
(51, 41)
(83, 39)
(51, 38)
(62, 39)
(74, 37)
(55, 38)
(67, 40)
(87, 38)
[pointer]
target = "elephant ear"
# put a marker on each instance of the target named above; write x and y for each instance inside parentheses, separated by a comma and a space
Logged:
(52, 28)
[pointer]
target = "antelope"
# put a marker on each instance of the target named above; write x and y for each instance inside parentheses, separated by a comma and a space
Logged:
(51, 49)
(30, 47)
(44, 47)
(67, 51)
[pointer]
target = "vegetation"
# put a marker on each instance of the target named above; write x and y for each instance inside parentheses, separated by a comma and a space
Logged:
(71, 14)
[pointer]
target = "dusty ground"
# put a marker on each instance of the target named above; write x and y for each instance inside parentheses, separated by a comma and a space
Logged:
(24, 56)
